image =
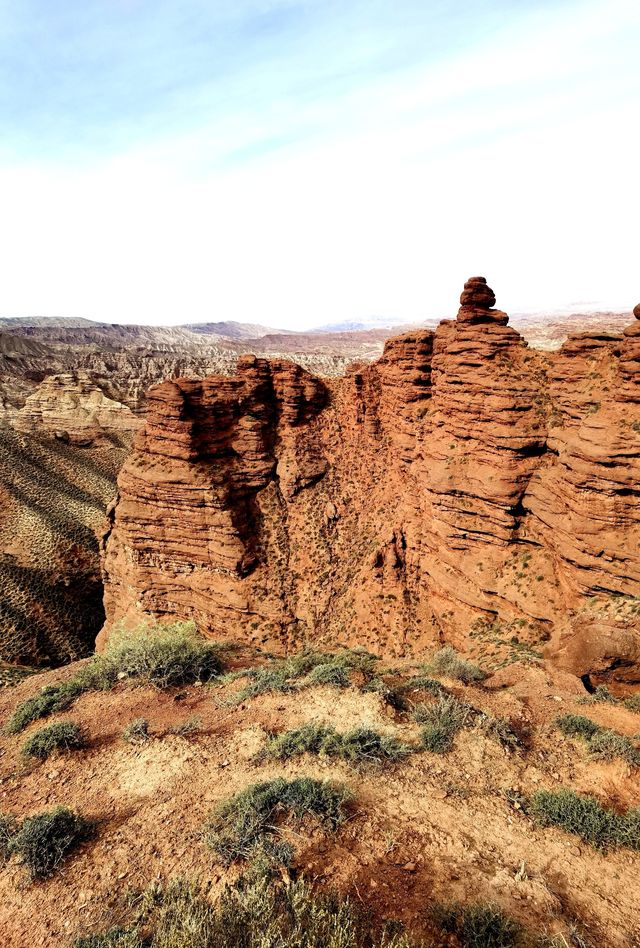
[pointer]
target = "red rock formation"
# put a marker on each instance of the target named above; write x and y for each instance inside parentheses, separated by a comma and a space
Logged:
(461, 475)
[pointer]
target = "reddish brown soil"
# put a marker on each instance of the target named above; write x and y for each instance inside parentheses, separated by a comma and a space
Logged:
(433, 828)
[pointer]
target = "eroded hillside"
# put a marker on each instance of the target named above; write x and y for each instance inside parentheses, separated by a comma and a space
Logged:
(462, 481)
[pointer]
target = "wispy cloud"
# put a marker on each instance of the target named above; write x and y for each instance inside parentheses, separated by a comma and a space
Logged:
(308, 160)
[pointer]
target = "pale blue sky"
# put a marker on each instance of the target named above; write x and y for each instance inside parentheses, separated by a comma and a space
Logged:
(305, 161)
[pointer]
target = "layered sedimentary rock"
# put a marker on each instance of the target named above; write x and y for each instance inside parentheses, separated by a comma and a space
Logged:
(460, 477)
(74, 408)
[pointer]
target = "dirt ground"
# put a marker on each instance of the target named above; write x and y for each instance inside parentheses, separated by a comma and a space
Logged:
(434, 828)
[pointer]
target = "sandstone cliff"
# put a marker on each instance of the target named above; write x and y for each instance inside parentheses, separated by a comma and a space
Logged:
(461, 480)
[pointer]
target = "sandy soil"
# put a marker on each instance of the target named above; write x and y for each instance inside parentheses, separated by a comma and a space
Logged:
(433, 828)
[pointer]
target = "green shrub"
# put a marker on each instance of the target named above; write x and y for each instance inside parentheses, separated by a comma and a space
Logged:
(165, 656)
(577, 725)
(447, 662)
(8, 828)
(603, 743)
(500, 730)
(137, 732)
(361, 745)
(632, 703)
(51, 699)
(391, 696)
(45, 840)
(607, 745)
(600, 695)
(441, 722)
(246, 820)
(424, 683)
(329, 673)
(189, 726)
(586, 817)
(307, 669)
(62, 736)
(256, 912)
(479, 926)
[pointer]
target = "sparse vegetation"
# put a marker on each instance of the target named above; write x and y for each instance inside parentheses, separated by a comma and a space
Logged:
(307, 669)
(500, 730)
(256, 912)
(44, 841)
(241, 825)
(632, 703)
(164, 656)
(137, 732)
(577, 725)
(601, 695)
(603, 744)
(586, 817)
(607, 745)
(361, 745)
(447, 662)
(479, 926)
(62, 736)
(8, 827)
(441, 722)
(190, 726)
(424, 683)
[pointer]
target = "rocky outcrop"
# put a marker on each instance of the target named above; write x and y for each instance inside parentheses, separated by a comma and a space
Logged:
(460, 477)
(73, 408)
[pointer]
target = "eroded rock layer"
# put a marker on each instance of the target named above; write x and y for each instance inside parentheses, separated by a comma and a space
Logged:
(460, 478)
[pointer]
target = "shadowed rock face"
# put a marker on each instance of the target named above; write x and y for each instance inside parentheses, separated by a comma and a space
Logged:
(460, 476)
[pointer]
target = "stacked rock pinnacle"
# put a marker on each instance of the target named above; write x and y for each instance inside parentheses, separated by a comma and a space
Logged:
(477, 302)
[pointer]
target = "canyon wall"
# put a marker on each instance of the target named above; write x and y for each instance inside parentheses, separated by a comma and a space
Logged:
(462, 480)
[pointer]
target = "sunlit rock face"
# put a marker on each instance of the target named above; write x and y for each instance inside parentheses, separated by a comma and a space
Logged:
(461, 476)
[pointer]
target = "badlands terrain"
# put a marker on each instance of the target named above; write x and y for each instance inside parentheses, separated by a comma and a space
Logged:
(415, 560)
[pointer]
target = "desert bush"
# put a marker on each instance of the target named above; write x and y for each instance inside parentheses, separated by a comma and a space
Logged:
(607, 745)
(243, 822)
(189, 726)
(500, 730)
(256, 912)
(328, 673)
(43, 841)
(601, 695)
(479, 926)
(361, 745)
(586, 817)
(577, 725)
(632, 703)
(165, 656)
(424, 683)
(603, 743)
(137, 731)
(441, 722)
(8, 828)
(62, 736)
(307, 669)
(447, 662)
(51, 699)
(391, 696)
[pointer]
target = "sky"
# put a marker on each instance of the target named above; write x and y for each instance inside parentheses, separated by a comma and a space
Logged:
(302, 162)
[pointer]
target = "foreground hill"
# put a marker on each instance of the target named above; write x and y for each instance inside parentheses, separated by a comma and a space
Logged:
(460, 808)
